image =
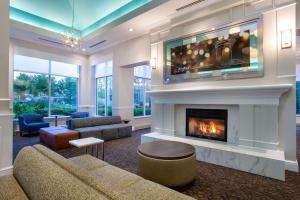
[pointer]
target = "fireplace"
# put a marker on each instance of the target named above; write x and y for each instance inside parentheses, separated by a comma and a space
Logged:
(207, 123)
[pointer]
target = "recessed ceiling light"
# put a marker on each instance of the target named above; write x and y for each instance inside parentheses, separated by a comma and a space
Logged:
(83, 49)
(213, 29)
(130, 29)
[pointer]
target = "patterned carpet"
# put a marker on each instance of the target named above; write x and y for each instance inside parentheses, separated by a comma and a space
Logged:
(212, 182)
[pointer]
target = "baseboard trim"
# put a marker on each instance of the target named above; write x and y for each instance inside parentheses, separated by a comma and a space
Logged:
(6, 171)
(291, 165)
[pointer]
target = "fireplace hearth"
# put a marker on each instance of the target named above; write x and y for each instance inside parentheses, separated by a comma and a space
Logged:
(207, 123)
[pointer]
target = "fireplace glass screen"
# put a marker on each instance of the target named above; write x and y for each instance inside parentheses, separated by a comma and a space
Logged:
(207, 123)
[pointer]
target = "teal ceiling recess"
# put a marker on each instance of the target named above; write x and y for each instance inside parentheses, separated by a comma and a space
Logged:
(90, 15)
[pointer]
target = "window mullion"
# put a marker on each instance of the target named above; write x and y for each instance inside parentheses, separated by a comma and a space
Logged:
(106, 95)
(49, 89)
(144, 86)
(97, 96)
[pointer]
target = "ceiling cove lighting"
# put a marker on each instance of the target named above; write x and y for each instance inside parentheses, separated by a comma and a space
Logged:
(71, 35)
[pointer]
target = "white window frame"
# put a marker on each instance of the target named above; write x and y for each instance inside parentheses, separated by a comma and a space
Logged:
(144, 79)
(106, 89)
(106, 96)
(49, 74)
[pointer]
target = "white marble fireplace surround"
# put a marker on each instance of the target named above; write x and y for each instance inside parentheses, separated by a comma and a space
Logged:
(252, 137)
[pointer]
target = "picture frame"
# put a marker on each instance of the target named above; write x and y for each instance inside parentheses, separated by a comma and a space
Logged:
(218, 53)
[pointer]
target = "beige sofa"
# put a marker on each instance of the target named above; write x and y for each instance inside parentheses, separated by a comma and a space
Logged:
(41, 174)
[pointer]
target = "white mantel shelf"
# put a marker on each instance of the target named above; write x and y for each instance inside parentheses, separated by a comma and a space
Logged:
(253, 95)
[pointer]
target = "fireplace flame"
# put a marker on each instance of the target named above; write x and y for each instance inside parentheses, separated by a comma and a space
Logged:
(213, 127)
(207, 127)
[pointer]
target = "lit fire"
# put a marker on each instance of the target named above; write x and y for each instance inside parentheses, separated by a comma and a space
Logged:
(207, 127)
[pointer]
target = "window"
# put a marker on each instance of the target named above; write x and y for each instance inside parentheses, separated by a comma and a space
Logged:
(30, 93)
(64, 88)
(142, 83)
(44, 87)
(103, 75)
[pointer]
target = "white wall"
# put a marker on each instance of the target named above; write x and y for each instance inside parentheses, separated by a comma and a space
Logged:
(124, 56)
(298, 15)
(45, 52)
(279, 64)
(5, 112)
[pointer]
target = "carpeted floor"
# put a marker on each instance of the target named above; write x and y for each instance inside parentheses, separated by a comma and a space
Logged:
(212, 182)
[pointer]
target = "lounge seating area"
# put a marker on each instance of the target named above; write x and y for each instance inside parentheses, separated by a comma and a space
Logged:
(105, 128)
(40, 173)
(149, 99)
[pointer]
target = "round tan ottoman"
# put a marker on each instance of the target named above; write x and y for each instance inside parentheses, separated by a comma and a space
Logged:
(168, 163)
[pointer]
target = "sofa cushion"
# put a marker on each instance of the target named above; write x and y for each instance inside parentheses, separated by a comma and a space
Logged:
(124, 130)
(89, 129)
(109, 133)
(87, 162)
(10, 189)
(94, 121)
(41, 178)
(106, 132)
(123, 185)
(89, 132)
(108, 176)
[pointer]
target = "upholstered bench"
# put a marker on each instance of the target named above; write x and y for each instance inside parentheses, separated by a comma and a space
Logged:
(57, 137)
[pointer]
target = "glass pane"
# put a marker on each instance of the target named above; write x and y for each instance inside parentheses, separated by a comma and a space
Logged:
(148, 98)
(138, 97)
(29, 64)
(109, 96)
(63, 95)
(143, 71)
(103, 69)
(64, 69)
(30, 93)
(100, 98)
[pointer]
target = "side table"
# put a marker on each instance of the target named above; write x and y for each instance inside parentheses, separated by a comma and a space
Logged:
(87, 142)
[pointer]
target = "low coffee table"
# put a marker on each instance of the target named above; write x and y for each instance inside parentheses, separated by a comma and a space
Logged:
(89, 142)
(168, 163)
(57, 137)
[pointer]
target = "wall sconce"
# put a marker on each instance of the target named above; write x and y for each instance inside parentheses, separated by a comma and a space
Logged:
(286, 39)
(153, 63)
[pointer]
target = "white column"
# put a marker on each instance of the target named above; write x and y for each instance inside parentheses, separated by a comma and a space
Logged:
(5, 112)
(286, 69)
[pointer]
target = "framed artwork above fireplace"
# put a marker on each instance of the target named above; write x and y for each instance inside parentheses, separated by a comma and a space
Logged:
(228, 52)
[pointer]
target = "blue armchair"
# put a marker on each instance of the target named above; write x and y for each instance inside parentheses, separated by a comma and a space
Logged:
(31, 123)
(79, 115)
